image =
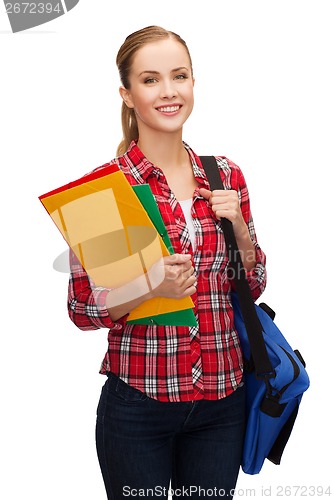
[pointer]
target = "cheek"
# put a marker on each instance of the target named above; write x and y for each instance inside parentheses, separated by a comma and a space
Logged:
(189, 95)
(143, 99)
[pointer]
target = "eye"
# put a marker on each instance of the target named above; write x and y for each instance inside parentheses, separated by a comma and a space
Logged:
(181, 77)
(150, 80)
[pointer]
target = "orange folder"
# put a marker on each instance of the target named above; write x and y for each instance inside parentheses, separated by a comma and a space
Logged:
(112, 235)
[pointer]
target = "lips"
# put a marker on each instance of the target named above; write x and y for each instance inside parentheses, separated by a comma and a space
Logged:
(169, 109)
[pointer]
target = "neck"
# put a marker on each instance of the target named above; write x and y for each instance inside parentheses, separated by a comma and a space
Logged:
(166, 151)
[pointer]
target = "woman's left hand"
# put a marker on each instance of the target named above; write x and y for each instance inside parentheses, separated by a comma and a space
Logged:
(225, 203)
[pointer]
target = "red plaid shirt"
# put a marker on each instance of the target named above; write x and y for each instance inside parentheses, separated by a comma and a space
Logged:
(177, 363)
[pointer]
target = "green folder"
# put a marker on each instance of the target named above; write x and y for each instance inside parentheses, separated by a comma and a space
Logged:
(186, 317)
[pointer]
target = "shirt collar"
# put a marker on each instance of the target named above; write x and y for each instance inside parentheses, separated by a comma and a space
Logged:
(135, 160)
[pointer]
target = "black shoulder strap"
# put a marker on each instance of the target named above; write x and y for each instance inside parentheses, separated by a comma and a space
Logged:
(263, 366)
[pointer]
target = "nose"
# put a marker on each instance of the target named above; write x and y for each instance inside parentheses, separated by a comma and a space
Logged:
(168, 90)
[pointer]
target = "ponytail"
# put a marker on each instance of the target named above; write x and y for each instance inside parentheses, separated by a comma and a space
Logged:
(130, 129)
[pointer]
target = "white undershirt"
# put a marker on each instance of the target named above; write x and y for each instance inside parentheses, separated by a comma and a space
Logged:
(186, 208)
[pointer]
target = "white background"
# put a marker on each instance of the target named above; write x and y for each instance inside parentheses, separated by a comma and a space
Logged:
(264, 99)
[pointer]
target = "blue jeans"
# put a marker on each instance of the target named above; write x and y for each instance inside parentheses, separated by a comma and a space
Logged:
(143, 443)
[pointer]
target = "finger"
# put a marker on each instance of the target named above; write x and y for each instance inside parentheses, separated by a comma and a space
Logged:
(188, 272)
(189, 291)
(205, 193)
(179, 277)
(179, 271)
(220, 200)
(177, 258)
(220, 192)
(224, 196)
(187, 288)
(186, 266)
(191, 281)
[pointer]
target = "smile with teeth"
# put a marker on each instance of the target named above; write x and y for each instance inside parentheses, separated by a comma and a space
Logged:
(168, 109)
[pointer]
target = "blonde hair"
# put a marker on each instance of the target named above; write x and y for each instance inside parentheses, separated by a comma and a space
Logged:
(124, 61)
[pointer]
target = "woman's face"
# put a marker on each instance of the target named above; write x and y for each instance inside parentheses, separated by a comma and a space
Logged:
(161, 87)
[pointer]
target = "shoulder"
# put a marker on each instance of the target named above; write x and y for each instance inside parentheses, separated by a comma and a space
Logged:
(117, 163)
(231, 173)
(227, 165)
(122, 163)
(114, 162)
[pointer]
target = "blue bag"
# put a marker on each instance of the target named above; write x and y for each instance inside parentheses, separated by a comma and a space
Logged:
(272, 403)
(275, 375)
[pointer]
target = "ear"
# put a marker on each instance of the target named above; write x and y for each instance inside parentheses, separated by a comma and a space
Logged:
(126, 97)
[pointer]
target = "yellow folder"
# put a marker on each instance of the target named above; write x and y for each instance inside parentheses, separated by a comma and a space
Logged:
(115, 240)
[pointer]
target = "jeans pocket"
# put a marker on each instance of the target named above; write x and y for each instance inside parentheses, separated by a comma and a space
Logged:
(124, 392)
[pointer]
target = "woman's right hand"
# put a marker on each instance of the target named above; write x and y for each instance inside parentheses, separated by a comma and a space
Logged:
(173, 277)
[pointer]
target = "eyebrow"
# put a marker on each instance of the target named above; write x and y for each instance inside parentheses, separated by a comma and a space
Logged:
(153, 72)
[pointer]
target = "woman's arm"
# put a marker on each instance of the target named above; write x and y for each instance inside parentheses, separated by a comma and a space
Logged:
(86, 302)
(91, 307)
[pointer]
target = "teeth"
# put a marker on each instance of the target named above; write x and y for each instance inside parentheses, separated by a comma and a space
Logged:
(169, 109)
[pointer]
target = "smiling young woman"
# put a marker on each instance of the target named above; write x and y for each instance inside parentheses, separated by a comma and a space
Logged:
(173, 406)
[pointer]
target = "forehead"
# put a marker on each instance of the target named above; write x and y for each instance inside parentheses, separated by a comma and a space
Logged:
(161, 56)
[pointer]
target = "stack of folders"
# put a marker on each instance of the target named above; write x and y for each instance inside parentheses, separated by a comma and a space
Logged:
(117, 233)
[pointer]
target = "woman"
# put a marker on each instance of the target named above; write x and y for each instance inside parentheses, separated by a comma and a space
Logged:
(172, 407)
